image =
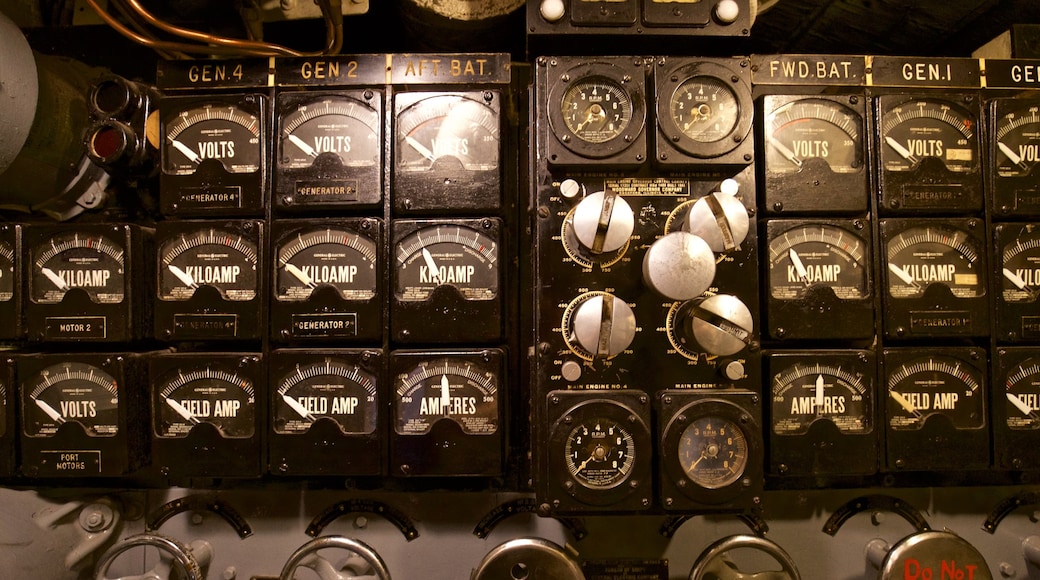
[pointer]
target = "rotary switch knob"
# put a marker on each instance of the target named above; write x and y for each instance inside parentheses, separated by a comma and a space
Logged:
(603, 222)
(679, 266)
(603, 325)
(719, 218)
(721, 324)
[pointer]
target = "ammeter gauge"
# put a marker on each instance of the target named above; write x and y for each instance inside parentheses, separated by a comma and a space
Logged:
(330, 149)
(205, 414)
(1016, 407)
(1018, 318)
(929, 148)
(11, 281)
(814, 150)
(78, 260)
(935, 409)
(1015, 153)
(447, 412)
(819, 273)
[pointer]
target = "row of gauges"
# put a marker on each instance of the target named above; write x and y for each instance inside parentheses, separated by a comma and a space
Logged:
(206, 280)
(309, 412)
(328, 152)
(930, 149)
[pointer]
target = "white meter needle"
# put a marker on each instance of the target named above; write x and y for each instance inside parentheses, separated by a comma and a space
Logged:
(182, 411)
(419, 147)
(1020, 404)
(1016, 280)
(903, 151)
(435, 273)
(905, 403)
(184, 149)
(299, 275)
(799, 267)
(819, 394)
(303, 145)
(61, 284)
(1014, 157)
(445, 394)
(51, 412)
(785, 151)
(296, 406)
(901, 274)
(183, 276)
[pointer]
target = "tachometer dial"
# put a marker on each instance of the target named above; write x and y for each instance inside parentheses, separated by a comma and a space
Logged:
(208, 257)
(600, 453)
(447, 131)
(928, 128)
(222, 132)
(923, 255)
(78, 260)
(345, 260)
(446, 255)
(329, 389)
(935, 385)
(713, 451)
(818, 255)
(813, 129)
(807, 392)
(189, 396)
(705, 109)
(338, 127)
(1018, 142)
(71, 392)
(596, 109)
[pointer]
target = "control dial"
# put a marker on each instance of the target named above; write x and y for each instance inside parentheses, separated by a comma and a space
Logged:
(720, 218)
(721, 324)
(598, 325)
(603, 222)
(679, 266)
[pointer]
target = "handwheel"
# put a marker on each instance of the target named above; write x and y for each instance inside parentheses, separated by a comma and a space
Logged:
(714, 562)
(363, 563)
(173, 555)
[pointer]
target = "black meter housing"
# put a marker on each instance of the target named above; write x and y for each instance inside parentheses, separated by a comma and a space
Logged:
(8, 417)
(11, 273)
(1015, 405)
(1014, 153)
(86, 283)
(1016, 263)
(206, 414)
(81, 415)
(328, 412)
(329, 281)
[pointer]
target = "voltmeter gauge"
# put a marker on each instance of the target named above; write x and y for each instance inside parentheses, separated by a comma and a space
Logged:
(205, 413)
(598, 452)
(704, 111)
(78, 260)
(71, 392)
(711, 449)
(936, 409)
(1017, 314)
(1016, 407)
(935, 278)
(224, 133)
(929, 149)
(819, 272)
(1015, 153)
(822, 413)
(344, 260)
(596, 111)
(451, 397)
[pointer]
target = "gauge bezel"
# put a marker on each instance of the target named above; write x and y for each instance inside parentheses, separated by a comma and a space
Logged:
(11, 309)
(1017, 196)
(223, 372)
(1014, 448)
(1017, 321)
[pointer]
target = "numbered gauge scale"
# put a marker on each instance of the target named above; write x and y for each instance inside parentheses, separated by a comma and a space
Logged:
(599, 452)
(820, 280)
(929, 153)
(704, 112)
(815, 160)
(328, 280)
(1016, 408)
(80, 415)
(448, 411)
(822, 420)
(1018, 311)
(448, 151)
(936, 409)
(327, 412)
(205, 414)
(934, 275)
(208, 280)
(8, 411)
(446, 284)
(1015, 154)
(596, 110)
(710, 450)
(11, 281)
(80, 282)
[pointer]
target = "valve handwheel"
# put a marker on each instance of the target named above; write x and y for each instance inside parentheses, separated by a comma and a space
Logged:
(173, 555)
(363, 563)
(714, 562)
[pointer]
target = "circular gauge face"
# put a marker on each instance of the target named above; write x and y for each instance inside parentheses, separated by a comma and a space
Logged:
(447, 132)
(217, 131)
(74, 260)
(934, 385)
(341, 127)
(813, 129)
(806, 392)
(6, 273)
(818, 255)
(596, 109)
(713, 452)
(446, 255)
(330, 389)
(1023, 396)
(1021, 268)
(71, 392)
(705, 109)
(1018, 142)
(928, 128)
(920, 256)
(335, 257)
(211, 394)
(211, 257)
(600, 453)
(456, 390)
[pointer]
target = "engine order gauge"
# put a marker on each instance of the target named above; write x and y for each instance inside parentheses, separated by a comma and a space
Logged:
(1017, 315)
(935, 278)
(929, 151)
(813, 148)
(822, 413)
(446, 412)
(205, 413)
(596, 110)
(935, 409)
(1016, 407)
(819, 271)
